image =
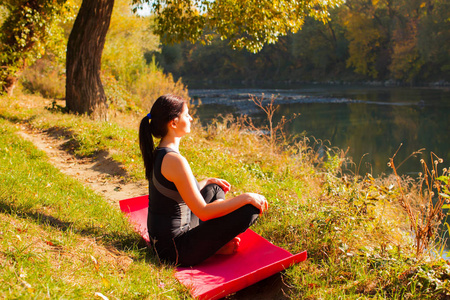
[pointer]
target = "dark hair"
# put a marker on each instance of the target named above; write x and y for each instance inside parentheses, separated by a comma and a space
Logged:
(165, 109)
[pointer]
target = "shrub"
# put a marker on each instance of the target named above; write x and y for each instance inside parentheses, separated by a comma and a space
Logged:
(154, 83)
(46, 77)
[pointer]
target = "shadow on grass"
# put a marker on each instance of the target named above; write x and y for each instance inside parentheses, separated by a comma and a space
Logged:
(112, 239)
(17, 119)
(103, 162)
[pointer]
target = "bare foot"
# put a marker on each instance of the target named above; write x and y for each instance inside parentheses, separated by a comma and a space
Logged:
(230, 248)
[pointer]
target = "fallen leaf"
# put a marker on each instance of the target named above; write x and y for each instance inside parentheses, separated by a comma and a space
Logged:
(95, 262)
(313, 285)
(101, 296)
(105, 282)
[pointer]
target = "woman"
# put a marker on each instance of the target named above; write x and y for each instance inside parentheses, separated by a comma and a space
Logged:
(188, 221)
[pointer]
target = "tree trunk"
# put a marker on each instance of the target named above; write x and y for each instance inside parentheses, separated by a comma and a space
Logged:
(84, 89)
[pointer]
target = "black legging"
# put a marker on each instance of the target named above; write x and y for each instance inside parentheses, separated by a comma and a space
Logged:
(206, 238)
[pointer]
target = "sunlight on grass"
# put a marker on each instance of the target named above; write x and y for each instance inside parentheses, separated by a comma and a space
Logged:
(357, 236)
(59, 239)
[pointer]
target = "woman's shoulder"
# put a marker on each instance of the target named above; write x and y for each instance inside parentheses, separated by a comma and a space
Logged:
(174, 166)
(171, 156)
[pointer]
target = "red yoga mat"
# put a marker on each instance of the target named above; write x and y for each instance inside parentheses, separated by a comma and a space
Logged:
(221, 275)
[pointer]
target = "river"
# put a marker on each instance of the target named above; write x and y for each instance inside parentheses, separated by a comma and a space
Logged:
(370, 121)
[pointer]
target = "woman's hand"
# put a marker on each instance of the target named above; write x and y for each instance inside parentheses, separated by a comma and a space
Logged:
(258, 201)
(225, 185)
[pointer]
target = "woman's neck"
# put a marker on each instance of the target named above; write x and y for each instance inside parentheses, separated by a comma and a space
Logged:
(172, 143)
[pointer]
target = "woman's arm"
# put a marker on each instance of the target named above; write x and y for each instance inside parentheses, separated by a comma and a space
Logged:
(176, 169)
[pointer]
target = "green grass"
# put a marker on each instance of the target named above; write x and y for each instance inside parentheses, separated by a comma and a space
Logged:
(58, 239)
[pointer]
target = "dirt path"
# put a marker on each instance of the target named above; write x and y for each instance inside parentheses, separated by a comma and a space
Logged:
(100, 174)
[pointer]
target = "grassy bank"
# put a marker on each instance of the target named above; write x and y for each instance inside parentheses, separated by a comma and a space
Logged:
(60, 240)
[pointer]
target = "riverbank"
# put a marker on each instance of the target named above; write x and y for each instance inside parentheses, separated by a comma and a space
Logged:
(293, 84)
(353, 229)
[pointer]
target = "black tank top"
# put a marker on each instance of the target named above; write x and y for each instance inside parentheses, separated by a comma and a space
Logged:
(168, 215)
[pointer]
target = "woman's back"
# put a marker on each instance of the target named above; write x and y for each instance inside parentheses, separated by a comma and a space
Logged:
(168, 214)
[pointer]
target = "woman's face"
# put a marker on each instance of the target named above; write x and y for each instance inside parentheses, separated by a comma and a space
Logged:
(183, 121)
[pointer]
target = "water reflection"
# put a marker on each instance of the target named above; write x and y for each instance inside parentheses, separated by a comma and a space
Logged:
(371, 121)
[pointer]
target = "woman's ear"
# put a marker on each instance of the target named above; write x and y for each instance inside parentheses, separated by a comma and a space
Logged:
(174, 123)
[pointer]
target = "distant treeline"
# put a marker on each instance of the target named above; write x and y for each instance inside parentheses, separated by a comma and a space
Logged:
(404, 41)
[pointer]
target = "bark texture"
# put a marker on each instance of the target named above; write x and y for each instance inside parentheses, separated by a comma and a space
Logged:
(84, 89)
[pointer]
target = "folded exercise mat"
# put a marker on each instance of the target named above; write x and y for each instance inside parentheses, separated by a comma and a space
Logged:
(137, 210)
(221, 275)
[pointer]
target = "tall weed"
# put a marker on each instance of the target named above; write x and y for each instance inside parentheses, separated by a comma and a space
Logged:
(274, 133)
(423, 201)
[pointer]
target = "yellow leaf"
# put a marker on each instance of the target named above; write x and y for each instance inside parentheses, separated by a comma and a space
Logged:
(105, 282)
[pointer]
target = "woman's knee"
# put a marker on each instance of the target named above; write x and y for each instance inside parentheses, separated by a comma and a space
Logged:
(247, 214)
(212, 192)
(213, 187)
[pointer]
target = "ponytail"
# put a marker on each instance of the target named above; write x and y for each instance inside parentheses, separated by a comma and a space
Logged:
(147, 146)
